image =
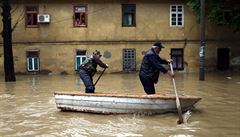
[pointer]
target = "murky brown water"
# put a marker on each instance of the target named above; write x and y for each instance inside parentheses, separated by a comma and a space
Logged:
(27, 108)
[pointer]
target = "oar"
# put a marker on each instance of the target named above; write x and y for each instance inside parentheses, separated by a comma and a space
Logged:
(180, 121)
(99, 77)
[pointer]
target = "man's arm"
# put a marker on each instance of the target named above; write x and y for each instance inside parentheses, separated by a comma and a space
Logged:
(100, 63)
(163, 61)
(157, 62)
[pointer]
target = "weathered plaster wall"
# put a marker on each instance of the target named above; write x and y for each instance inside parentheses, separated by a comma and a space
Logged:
(104, 22)
(58, 41)
(62, 59)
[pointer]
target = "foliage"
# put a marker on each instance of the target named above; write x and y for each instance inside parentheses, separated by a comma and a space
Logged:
(219, 12)
(235, 20)
(194, 5)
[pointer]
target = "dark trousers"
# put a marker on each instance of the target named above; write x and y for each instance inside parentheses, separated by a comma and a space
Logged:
(87, 80)
(148, 85)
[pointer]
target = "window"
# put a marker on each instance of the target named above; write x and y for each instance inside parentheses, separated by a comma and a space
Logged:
(129, 59)
(31, 16)
(128, 15)
(80, 16)
(80, 58)
(227, 15)
(176, 16)
(33, 60)
(177, 57)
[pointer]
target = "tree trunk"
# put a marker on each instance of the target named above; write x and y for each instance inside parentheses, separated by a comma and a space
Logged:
(7, 42)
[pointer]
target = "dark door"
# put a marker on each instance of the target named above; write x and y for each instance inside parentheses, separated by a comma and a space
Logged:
(223, 58)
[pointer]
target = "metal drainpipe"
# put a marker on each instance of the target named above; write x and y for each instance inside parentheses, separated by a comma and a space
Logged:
(202, 41)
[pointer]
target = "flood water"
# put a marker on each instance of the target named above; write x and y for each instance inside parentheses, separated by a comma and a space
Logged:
(27, 107)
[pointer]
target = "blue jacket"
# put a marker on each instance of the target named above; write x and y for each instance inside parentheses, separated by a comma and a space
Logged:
(151, 65)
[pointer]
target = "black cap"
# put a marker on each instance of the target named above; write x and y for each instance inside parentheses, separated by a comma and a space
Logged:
(158, 44)
(96, 52)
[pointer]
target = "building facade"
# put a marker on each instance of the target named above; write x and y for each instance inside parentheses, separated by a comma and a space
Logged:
(56, 36)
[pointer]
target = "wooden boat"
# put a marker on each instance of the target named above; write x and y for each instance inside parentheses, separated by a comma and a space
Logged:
(121, 104)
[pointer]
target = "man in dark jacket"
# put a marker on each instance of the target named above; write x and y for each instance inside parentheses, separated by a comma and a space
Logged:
(88, 69)
(151, 66)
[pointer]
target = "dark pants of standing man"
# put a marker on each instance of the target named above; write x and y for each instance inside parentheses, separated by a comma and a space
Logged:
(148, 85)
(87, 80)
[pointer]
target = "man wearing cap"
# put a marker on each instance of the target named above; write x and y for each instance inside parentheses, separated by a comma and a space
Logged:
(151, 66)
(89, 68)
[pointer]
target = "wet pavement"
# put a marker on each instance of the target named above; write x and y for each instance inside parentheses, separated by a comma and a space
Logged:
(28, 109)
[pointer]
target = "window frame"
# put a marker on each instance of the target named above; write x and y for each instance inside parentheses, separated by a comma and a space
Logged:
(177, 56)
(81, 58)
(123, 15)
(177, 14)
(227, 15)
(32, 58)
(74, 18)
(32, 13)
(129, 56)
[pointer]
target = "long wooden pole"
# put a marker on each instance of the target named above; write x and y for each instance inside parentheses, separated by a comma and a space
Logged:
(99, 77)
(180, 121)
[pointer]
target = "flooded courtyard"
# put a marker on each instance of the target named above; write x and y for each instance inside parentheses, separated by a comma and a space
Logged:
(28, 109)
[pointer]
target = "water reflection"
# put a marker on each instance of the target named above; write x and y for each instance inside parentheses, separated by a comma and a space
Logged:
(28, 108)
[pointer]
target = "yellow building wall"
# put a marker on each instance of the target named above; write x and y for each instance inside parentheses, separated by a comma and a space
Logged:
(104, 22)
(58, 40)
(63, 59)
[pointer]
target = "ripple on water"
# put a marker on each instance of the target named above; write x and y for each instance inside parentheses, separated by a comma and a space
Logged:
(6, 96)
(28, 108)
(120, 127)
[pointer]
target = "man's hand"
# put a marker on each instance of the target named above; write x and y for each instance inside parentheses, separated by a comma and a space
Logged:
(107, 65)
(169, 60)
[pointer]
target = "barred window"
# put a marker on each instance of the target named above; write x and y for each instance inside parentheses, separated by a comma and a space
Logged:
(129, 59)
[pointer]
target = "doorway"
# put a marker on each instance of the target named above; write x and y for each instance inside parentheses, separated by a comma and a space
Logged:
(223, 58)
